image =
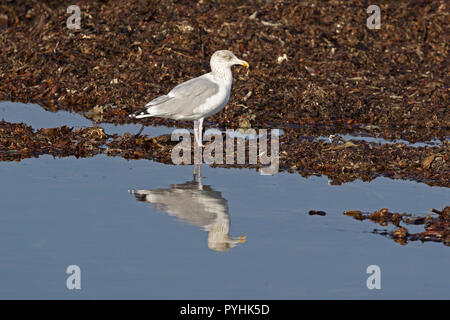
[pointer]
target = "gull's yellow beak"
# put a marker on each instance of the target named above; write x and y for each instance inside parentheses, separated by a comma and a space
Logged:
(245, 64)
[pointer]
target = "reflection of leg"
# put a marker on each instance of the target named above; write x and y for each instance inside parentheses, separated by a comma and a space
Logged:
(139, 133)
(195, 170)
(199, 172)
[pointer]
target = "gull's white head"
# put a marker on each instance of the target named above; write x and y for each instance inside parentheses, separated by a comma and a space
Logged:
(224, 59)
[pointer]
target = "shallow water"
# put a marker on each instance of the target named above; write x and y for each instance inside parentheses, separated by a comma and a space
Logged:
(141, 229)
(61, 212)
(433, 143)
(37, 117)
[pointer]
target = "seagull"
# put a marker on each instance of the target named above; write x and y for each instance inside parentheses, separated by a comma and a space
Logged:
(197, 98)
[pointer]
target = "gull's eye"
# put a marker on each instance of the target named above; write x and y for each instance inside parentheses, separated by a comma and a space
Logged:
(227, 57)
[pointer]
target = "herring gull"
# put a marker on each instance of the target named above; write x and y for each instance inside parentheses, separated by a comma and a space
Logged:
(197, 98)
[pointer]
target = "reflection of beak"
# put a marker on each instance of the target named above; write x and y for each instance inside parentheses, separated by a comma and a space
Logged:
(240, 239)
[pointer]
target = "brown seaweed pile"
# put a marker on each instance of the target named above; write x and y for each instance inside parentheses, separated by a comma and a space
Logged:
(19, 141)
(340, 163)
(316, 69)
(314, 64)
(437, 229)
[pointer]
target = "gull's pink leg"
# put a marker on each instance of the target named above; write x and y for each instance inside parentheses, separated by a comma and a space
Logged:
(200, 132)
(196, 131)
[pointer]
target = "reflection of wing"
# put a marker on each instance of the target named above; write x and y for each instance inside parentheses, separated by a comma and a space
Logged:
(187, 202)
(195, 204)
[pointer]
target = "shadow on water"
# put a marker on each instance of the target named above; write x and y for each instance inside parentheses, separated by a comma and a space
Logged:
(195, 204)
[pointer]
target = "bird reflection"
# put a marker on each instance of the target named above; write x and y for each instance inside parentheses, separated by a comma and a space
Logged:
(196, 204)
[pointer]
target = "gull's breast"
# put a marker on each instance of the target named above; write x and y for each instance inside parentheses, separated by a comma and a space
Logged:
(215, 103)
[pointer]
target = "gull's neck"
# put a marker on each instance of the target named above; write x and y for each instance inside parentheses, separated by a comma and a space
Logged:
(222, 73)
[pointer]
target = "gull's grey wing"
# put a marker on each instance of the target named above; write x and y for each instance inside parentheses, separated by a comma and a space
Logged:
(181, 101)
(195, 87)
(147, 111)
(158, 100)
